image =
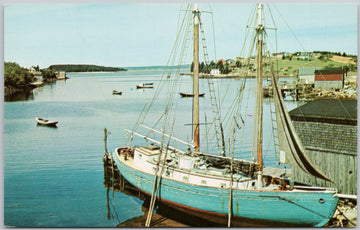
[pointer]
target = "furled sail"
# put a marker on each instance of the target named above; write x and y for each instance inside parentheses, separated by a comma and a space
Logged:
(290, 144)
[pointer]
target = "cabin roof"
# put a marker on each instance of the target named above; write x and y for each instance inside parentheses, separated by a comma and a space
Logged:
(338, 111)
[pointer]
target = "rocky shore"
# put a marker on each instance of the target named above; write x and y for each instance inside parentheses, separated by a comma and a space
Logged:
(345, 214)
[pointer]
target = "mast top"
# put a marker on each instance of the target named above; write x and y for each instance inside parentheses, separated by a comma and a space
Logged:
(196, 13)
(260, 6)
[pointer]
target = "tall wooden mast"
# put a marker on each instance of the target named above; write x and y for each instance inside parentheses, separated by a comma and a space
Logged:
(196, 14)
(259, 96)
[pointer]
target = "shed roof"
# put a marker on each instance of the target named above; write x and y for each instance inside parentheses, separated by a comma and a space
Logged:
(307, 70)
(329, 71)
(337, 111)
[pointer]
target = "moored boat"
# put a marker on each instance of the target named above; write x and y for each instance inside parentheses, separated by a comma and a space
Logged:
(196, 186)
(214, 186)
(190, 94)
(143, 86)
(117, 92)
(45, 122)
(37, 84)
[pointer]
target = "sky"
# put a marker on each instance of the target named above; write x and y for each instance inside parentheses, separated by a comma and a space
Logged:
(140, 34)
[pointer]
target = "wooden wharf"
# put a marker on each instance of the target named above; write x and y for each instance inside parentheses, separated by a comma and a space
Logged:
(297, 90)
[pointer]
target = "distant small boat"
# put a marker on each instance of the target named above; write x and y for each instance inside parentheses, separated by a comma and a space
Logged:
(117, 92)
(148, 83)
(142, 86)
(191, 95)
(37, 84)
(45, 122)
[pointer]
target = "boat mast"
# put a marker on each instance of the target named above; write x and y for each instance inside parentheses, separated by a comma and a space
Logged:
(259, 110)
(196, 14)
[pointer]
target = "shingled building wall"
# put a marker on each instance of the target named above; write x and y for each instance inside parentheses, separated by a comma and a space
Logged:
(331, 141)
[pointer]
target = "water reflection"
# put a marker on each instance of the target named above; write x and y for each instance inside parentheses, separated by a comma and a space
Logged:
(48, 126)
(20, 96)
(164, 216)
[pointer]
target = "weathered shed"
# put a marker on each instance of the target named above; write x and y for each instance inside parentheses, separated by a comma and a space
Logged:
(328, 130)
(38, 76)
(61, 75)
(329, 79)
(307, 74)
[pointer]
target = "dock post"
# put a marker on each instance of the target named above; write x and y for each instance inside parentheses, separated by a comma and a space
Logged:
(106, 133)
(112, 175)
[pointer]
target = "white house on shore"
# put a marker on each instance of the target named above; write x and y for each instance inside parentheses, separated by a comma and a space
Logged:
(215, 72)
(61, 75)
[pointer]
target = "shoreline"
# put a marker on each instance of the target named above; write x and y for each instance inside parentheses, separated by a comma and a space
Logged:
(232, 75)
(10, 90)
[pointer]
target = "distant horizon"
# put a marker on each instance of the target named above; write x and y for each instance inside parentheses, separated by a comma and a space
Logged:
(144, 66)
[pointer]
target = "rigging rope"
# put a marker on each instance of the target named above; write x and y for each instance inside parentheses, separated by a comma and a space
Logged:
(169, 66)
(290, 29)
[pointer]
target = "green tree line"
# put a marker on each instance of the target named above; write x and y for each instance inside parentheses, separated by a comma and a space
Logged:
(16, 76)
(20, 77)
(84, 68)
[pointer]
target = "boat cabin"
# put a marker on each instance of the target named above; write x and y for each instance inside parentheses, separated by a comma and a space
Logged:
(143, 153)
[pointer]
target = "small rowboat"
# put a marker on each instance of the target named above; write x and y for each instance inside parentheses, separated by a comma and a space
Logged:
(45, 122)
(191, 95)
(143, 86)
(117, 92)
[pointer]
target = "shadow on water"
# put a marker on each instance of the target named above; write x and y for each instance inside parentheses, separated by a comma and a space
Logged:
(20, 96)
(164, 216)
(47, 126)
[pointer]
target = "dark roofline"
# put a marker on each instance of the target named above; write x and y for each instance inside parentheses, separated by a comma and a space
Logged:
(334, 111)
(329, 71)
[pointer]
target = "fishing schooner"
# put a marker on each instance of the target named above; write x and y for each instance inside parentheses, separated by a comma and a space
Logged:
(222, 188)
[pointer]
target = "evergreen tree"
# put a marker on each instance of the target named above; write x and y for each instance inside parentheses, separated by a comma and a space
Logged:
(202, 67)
(238, 64)
(226, 69)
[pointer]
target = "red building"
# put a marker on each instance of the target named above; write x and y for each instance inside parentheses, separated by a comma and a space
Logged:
(329, 79)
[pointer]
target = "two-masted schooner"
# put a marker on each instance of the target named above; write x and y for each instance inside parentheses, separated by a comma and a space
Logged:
(223, 189)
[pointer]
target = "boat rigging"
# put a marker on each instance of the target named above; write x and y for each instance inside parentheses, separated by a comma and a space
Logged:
(228, 190)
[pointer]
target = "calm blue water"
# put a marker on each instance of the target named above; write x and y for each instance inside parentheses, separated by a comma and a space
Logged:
(54, 177)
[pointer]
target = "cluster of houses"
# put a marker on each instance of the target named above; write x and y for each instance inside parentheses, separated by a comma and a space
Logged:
(39, 80)
(312, 76)
(298, 55)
